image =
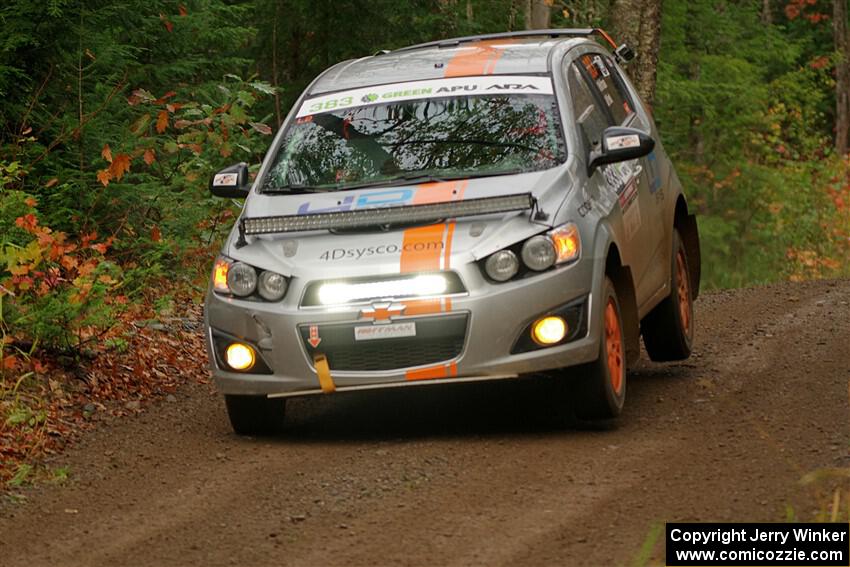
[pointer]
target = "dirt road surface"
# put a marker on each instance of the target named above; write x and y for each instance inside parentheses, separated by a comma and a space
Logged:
(477, 474)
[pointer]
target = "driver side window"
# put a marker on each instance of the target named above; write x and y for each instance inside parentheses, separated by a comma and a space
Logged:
(589, 116)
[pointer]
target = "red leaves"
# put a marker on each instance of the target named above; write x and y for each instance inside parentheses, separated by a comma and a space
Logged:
(166, 22)
(797, 8)
(156, 234)
(162, 121)
(149, 156)
(118, 166)
(104, 176)
(27, 222)
(182, 9)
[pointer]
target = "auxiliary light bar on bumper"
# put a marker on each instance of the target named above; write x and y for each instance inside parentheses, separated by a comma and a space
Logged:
(409, 214)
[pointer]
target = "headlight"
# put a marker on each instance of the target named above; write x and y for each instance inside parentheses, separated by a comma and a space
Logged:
(271, 286)
(241, 279)
(538, 253)
(502, 266)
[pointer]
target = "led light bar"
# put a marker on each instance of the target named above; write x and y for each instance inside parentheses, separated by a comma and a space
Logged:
(386, 215)
(342, 293)
(325, 293)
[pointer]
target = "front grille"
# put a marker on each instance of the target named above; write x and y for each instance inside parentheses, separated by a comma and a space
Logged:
(438, 339)
(393, 354)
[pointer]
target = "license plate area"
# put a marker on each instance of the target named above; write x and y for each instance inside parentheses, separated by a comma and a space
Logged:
(391, 331)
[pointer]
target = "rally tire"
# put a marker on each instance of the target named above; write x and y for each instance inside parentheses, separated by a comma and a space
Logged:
(668, 330)
(255, 415)
(600, 387)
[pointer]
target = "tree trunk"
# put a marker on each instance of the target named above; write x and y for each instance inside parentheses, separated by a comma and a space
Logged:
(842, 75)
(638, 23)
(766, 13)
(275, 82)
(537, 15)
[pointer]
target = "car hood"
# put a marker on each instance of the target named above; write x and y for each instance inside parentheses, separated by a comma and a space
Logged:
(350, 253)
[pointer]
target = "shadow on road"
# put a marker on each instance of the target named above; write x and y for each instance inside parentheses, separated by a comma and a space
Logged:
(537, 406)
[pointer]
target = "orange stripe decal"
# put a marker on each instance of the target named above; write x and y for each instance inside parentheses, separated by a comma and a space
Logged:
(480, 60)
(430, 373)
(433, 372)
(435, 192)
(422, 307)
(421, 248)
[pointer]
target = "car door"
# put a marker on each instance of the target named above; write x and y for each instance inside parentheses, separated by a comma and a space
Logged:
(621, 189)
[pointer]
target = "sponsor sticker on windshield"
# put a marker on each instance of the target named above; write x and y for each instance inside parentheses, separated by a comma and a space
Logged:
(432, 88)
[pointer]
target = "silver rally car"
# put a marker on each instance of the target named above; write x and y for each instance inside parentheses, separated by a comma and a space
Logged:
(477, 208)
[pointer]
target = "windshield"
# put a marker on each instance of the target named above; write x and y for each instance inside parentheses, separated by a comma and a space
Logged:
(432, 138)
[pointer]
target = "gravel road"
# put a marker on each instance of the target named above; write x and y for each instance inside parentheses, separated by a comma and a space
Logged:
(470, 474)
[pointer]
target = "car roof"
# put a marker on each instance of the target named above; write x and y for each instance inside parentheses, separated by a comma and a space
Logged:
(499, 54)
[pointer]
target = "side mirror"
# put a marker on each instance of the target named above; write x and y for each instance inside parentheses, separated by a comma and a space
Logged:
(620, 144)
(231, 182)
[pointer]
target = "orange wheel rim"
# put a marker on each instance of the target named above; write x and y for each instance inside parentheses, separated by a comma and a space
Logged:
(614, 346)
(683, 291)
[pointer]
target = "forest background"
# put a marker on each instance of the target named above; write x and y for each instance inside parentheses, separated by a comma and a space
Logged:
(113, 115)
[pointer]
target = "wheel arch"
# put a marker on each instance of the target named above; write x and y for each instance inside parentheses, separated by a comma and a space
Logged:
(686, 225)
(621, 277)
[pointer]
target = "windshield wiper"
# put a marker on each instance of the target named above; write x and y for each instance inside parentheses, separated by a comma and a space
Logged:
(403, 179)
(293, 189)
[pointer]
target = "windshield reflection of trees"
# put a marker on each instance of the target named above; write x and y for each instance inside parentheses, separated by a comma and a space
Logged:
(460, 136)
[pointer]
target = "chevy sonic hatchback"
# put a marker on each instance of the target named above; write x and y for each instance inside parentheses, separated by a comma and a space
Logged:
(478, 208)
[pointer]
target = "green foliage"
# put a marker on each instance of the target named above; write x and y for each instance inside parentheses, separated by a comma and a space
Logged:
(744, 108)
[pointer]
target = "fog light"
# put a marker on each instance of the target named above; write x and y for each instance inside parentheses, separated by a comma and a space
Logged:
(239, 356)
(549, 330)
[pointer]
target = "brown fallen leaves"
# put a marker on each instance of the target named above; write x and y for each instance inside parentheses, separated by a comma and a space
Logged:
(46, 403)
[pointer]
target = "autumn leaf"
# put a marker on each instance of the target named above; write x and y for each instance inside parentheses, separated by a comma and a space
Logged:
(149, 156)
(182, 10)
(156, 234)
(139, 95)
(261, 128)
(162, 121)
(165, 21)
(21, 270)
(51, 183)
(31, 202)
(106, 153)
(141, 124)
(104, 176)
(9, 362)
(120, 166)
(181, 124)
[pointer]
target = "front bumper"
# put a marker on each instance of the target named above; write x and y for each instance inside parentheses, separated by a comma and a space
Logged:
(492, 318)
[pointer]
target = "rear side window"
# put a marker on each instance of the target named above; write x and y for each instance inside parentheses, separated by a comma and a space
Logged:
(589, 116)
(601, 71)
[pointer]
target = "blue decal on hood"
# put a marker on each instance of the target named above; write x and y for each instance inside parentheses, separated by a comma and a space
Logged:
(394, 197)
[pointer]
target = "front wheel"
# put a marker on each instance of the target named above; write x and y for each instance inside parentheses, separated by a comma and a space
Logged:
(255, 415)
(601, 385)
(668, 330)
